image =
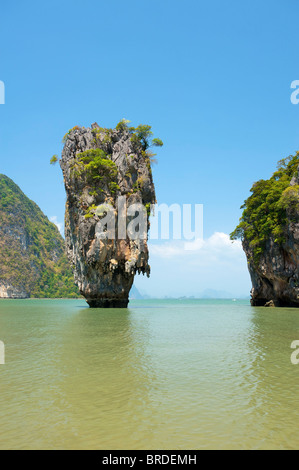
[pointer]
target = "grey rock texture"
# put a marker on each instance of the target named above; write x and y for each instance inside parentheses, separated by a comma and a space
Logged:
(275, 279)
(104, 269)
(11, 292)
(33, 260)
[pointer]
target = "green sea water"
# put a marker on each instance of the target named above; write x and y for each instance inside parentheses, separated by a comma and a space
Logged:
(191, 374)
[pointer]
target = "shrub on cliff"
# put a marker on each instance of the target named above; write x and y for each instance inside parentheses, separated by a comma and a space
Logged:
(267, 211)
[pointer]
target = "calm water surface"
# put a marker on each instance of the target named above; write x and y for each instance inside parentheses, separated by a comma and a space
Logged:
(160, 375)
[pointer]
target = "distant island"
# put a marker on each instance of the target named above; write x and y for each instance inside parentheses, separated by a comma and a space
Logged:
(269, 229)
(33, 260)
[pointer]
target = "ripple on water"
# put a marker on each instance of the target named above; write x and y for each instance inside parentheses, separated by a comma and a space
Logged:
(166, 374)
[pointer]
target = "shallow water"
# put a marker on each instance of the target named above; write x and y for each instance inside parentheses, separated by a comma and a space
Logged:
(190, 374)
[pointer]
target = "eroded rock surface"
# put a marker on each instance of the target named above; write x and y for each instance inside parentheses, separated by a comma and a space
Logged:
(33, 261)
(99, 166)
(275, 277)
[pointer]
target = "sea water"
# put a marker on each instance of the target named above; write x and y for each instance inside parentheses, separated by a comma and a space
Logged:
(163, 374)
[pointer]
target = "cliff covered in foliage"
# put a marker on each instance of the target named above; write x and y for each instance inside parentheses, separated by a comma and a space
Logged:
(269, 229)
(33, 260)
(100, 166)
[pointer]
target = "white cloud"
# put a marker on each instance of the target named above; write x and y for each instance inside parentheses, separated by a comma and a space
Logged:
(58, 224)
(218, 243)
(188, 268)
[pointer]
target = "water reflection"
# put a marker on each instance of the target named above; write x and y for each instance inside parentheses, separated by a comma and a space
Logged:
(76, 378)
(273, 380)
(183, 375)
(105, 378)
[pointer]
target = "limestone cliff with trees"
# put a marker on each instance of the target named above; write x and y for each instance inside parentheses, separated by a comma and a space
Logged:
(269, 229)
(100, 165)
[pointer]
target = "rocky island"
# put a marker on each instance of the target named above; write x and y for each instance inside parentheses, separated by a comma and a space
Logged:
(269, 229)
(99, 166)
(33, 260)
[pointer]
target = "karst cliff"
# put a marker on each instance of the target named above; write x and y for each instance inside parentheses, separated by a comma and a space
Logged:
(105, 168)
(269, 229)
(32, 252)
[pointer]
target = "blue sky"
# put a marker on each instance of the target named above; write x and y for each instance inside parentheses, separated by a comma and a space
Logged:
(211, 77)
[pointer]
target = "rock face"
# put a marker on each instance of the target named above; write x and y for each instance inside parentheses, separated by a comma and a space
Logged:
(11, 292)
(99, 167)
(33, 259)
(275, 277)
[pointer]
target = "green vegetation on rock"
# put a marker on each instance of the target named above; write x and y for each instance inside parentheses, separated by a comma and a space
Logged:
(75, 128)
(271, 206)
(32, 250)
(54, 160)
(96, 164)
(142, 136)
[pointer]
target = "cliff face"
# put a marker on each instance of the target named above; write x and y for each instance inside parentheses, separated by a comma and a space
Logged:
(275, 280)
(99, 166)
(270, 235)
(33, 260)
